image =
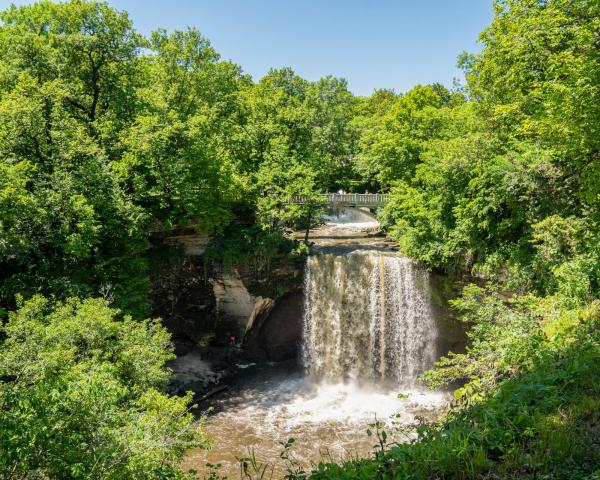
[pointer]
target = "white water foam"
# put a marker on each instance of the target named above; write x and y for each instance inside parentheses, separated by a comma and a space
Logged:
(300, 402)
(350, 218)
(349, 403)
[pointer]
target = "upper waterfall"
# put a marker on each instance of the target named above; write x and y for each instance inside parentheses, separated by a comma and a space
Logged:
(350, 218)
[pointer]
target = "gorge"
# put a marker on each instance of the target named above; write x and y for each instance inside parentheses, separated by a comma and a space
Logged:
(372, 322)
(174, 292)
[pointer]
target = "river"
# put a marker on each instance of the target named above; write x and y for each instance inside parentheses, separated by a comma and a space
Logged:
(371, 328)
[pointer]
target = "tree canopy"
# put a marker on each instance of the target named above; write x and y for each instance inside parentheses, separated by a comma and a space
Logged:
(80, 395)
(107, 137)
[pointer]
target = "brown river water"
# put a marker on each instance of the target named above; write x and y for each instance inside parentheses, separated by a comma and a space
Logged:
(371, 327)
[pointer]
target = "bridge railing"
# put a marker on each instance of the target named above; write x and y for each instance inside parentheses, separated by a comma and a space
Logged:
(358, 199)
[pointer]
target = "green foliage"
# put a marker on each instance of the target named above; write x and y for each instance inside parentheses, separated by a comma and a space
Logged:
(500, 182)
(504, 340)
(86, 49)
(297, 140)
(107, 137)
(67, 228)
(275, 207)
(394, 130)
(80, 395)
(538, 77)
(244, 243)
(174, 162)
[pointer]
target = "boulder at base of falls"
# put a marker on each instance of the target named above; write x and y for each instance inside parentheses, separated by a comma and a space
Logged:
(276, 335)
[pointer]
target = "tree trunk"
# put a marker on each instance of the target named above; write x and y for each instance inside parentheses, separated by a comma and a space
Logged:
(308, 225)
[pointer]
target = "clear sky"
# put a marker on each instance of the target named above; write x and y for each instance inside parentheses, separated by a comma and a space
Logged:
(372, 43)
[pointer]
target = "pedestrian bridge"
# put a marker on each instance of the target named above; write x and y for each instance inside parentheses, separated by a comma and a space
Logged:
(346, 199)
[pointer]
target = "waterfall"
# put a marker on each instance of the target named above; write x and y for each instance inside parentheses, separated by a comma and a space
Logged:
(367, 315)
(370, 329)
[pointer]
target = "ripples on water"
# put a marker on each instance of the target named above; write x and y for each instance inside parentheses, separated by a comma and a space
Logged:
(327, 420)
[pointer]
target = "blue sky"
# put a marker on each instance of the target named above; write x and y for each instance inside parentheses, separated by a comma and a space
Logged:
(372, 43)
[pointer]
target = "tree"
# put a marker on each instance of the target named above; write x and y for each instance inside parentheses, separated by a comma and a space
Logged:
(80, 395)
(395, 131)
(297, 141)
(89, 48)
(277, 207)
(72, 231)
(537, 77)
(101, 142)
(175, 161)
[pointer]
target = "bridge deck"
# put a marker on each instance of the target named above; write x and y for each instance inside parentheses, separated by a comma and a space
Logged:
(348, 199)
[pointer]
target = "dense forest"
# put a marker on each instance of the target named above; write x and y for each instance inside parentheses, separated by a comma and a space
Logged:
(108, 138)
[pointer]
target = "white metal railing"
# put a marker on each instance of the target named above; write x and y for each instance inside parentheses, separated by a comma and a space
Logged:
(348, 199)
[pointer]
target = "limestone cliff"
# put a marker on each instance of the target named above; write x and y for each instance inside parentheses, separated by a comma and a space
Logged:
(204, 301)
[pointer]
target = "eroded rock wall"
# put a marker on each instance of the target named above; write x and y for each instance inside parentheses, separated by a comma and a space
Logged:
(204, 301)
(182, 296)
(276, 336)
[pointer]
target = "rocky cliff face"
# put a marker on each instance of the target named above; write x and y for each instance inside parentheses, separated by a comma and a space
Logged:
(235, 304)
(203, 301)
(182, 295)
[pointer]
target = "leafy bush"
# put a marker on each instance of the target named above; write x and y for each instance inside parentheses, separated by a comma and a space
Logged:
(80, 395)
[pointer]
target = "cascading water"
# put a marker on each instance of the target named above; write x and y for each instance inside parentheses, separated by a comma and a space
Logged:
(367, 315)
(369, 332)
